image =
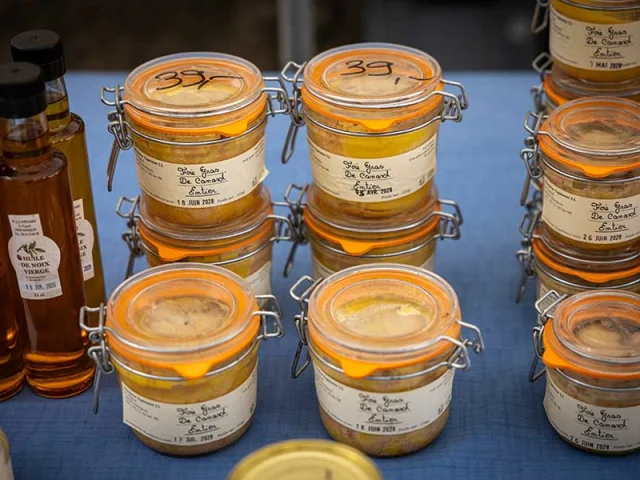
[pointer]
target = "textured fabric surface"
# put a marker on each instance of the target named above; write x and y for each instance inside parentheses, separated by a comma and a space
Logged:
(497, 427)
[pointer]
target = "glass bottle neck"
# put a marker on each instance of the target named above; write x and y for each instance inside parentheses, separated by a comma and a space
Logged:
(57, 104)
(25, 141)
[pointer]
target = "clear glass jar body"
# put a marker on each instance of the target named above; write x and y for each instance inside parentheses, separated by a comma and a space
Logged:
(609, 29)
(590, 391)
(384, 445)
(189, 391)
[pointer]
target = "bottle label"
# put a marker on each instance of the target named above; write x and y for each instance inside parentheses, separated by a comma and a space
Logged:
(35, 258)
(202, 185)
(594, 46)
(86, 240)
(192, 423)
(591, 220)
(319, 270)
(605, 429)
(260, 280)
(384, 413)
(373, 179)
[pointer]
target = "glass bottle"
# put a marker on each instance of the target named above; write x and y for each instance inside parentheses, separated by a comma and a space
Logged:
(44, 48)
(36, 211)
(11, 318)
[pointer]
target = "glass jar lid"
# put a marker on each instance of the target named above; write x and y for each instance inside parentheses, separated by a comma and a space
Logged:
(225, 90)
(357, 235)
(382, 316)
(597, 135)
(175, 243)
(593, 267)
(596, 334)
(184, 317)
(372, 82)
(306, 460)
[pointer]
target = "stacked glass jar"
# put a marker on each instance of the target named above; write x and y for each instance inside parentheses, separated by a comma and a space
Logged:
(373, 113)
(196, 122)
(581, 229)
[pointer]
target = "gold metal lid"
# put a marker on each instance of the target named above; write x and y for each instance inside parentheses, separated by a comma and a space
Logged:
(306, 460)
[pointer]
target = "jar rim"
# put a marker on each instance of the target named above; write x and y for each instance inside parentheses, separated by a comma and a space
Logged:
(568, 347)
(561, 88)
(359, 355)
(170, 344)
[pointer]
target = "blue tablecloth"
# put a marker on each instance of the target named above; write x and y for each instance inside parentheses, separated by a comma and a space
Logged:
(497, 427)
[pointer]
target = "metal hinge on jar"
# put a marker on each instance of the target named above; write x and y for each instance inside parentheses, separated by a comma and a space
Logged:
(293, 74)
(459, 360)
(283, 231)
(296, 220)
(530, 155)
(540, 19)
(525, 255)
(545, 307)
(104, 360)
(121, 129)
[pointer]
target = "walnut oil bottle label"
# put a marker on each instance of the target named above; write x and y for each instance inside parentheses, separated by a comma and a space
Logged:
(191, 423)
(591, 220)
(384, 413)
(260, 280)
(86, 240)
(373, 179)
(35, 258)
(606, 429)
(594, 46)
(203, 185)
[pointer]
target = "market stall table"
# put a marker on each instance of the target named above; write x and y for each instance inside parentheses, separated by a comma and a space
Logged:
(497, 428)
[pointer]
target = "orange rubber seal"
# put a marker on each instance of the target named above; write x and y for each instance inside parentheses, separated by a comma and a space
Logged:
(590, 277)
(361, 369)
(357, 248)
(551, 94)
(203, 360)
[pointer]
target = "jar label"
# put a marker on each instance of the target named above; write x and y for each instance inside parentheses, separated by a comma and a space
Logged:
(202, 185)
(260, 280)
(373, 179)
(86, 240)
(605, 429)
(192, 423)
(591, 220)
(594, 46)
(384, 413)
(35, 258)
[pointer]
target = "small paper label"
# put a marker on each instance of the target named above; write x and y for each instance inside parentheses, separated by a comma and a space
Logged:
(35, 258)
(319, 270)
(203, 185)
(373, 179)
(590, 426)
(384, 413)
(193, 423)
(591, 220)
(260, 281)
(86, 240)
(594, 46)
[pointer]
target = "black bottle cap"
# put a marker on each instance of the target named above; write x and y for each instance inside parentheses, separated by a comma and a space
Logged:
(42, 48)
(21, 90)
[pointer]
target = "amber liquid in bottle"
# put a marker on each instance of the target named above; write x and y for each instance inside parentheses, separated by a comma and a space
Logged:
(68, 136)
(36, 209)
(11, 319)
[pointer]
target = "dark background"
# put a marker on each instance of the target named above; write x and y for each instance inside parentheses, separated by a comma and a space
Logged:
(121, 34)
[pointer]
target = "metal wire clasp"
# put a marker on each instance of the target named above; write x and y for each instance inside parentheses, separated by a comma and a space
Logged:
(545, 306)
(99, 352)
(296, 221)
(540, 18)
(117, 127)
(300, 322)
(130, 236)
(530, 155)
(292, 73)
(273, 312)
(451, 222)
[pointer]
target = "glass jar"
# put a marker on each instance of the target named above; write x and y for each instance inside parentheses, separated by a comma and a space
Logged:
(385, 341)
(557, 88)
(373, 112)
(590, 346)
(588, 154)
(243, 246)
(184, 339)
(196, 122)
(594, 40)
(6, 472)
(340, 241)
(306, 460)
